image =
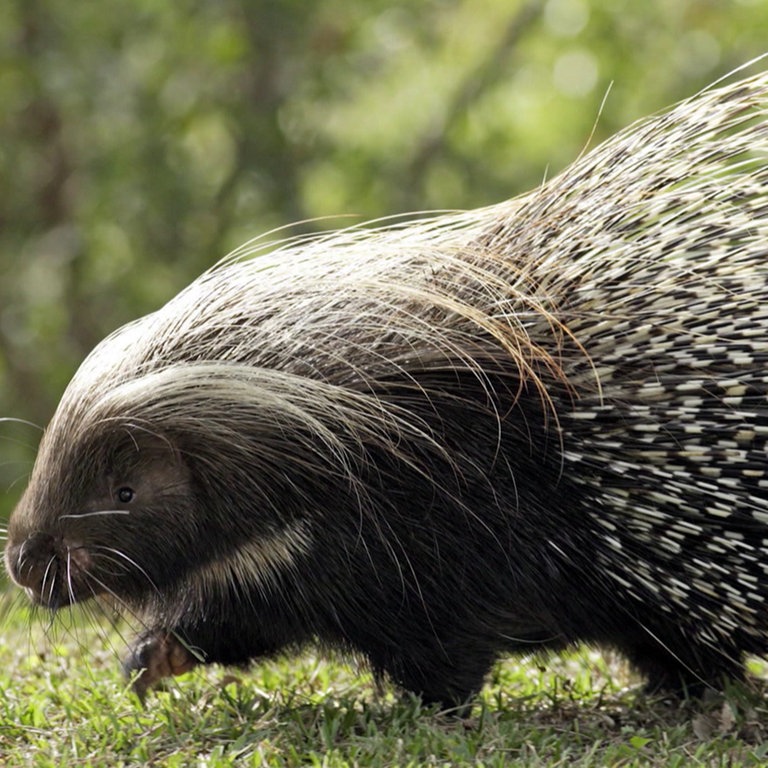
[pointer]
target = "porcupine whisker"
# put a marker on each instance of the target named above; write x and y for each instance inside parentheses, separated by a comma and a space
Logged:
(49, 578)
(68, 575)
(59, 625)
(125, 607)
(100, 557)
(97, 513)
(121, 556)
(14, 420)
(92, 614)
(14, 482)
(50, 623)
(118, 622)
(24, 562)
(96, 609)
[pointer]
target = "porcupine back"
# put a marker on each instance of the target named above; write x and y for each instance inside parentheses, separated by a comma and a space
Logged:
(571, 385)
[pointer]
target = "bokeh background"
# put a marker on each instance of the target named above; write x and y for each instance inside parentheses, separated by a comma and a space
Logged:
(141, 141)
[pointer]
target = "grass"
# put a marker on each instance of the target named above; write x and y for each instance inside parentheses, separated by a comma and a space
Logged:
(63, 702)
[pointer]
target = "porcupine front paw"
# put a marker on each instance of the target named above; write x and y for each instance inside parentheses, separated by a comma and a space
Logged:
(156, 656)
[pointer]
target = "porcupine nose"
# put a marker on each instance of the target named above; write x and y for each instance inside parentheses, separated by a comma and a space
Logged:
(29, 561)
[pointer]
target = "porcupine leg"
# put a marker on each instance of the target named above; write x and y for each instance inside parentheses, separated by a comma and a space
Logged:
(436, 679)
(154, 656)
(445, 678)
(690, 673)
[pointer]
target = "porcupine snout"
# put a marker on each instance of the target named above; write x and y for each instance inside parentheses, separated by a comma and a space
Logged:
(51, 570)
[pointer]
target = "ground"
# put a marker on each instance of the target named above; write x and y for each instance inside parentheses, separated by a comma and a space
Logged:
(63, 702)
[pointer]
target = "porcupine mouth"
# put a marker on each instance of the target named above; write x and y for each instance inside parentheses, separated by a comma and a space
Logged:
(56, 579)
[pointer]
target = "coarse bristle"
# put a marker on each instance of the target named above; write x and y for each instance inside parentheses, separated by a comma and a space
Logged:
(650, 253)
(575, 381)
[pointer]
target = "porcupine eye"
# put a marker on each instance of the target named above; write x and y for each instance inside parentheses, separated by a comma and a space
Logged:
(125, 495)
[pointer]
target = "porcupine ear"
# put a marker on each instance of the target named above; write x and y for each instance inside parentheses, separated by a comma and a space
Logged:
(133, 451)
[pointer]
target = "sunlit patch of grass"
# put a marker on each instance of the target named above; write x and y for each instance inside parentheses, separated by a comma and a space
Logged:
(63, 701)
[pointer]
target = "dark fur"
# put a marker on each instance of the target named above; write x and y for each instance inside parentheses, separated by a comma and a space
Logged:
(450, 457)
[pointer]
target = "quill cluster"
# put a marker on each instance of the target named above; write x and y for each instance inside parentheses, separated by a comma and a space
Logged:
(431, 443)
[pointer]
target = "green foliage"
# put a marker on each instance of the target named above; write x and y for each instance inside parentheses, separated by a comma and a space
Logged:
(64, 703)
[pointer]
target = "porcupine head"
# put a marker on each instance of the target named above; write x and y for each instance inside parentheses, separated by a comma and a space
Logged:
(235, 504)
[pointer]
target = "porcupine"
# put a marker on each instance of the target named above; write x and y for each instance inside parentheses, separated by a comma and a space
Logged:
(434, 443)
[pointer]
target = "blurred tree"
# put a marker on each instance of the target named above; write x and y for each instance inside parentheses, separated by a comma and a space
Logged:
(140, 142)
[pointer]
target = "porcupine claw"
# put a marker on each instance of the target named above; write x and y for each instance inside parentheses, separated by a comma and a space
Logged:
(154, 657)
